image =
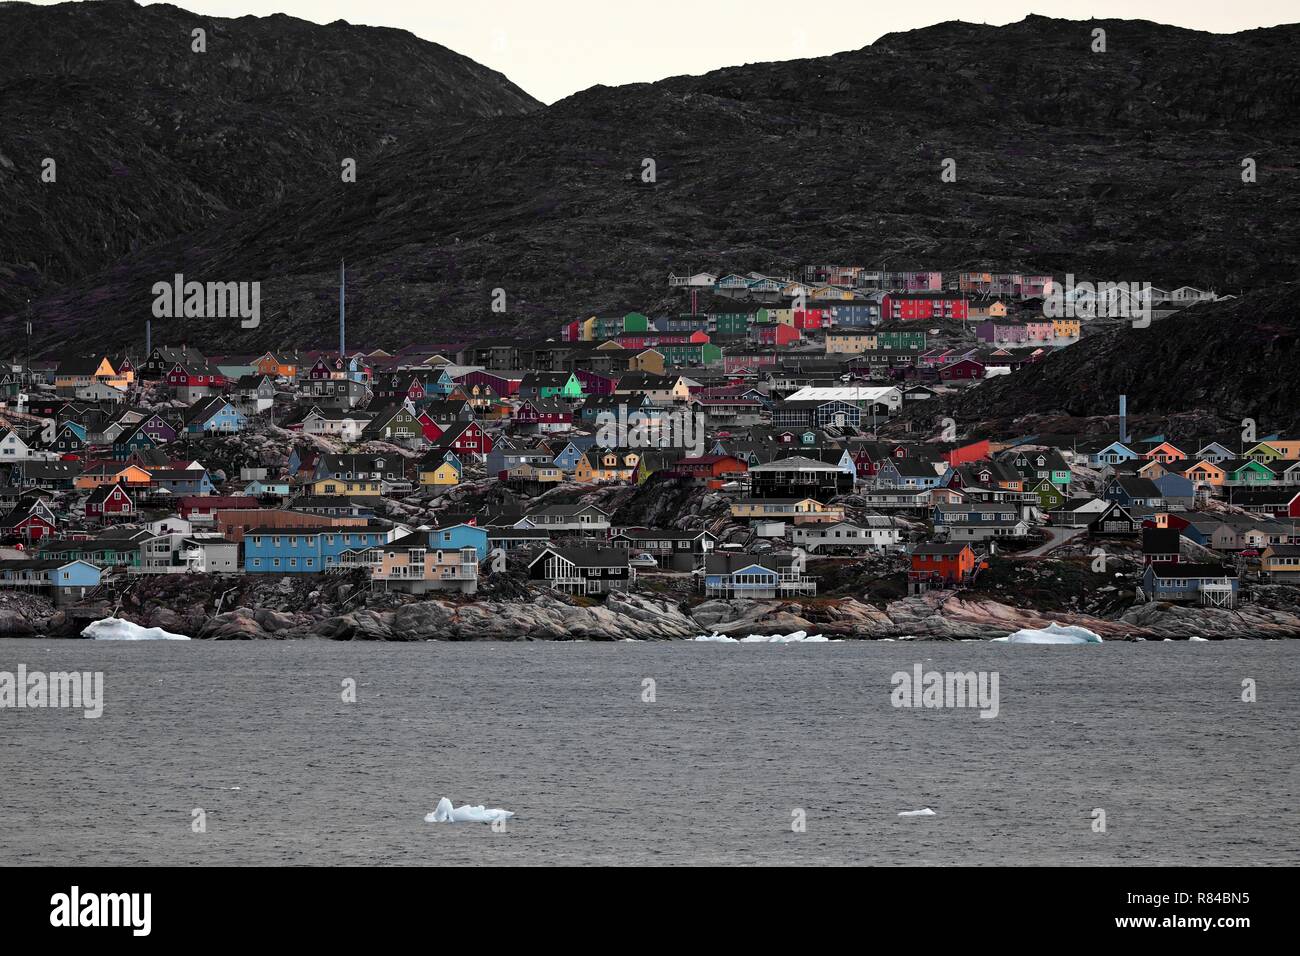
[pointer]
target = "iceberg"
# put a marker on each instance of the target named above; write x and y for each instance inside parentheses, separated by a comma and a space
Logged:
(446, 813)
(923, 812)
(1195, 638)
(119, 629)
(1052, 634)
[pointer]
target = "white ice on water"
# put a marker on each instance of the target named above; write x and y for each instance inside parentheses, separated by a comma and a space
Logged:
(923, 812)
(795, 637)
(1052, 634)
(446, 813)
(118, 629)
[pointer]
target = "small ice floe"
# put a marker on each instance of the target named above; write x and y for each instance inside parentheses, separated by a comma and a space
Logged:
(1204, 640)
(1052, 634)
(795, 637)
(923, 812)
(446, 813)
(119, 629)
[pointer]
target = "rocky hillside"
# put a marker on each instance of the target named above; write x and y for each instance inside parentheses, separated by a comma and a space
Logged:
(152, 140)
(1228, 360)
(1123, 165)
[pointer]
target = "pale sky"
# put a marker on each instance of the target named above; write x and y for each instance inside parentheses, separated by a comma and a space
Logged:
(552, 48)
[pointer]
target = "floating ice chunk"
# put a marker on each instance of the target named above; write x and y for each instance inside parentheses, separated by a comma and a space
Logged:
(119, 629)
(795, 637)
(1052, 634)
(923, 812)
(1195, 638)
(446, 813)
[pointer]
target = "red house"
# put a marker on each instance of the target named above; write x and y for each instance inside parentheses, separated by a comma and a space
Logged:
(464, 438)
(965, 454)
(547, 414)
(917, 306)
(809, 318)
(109, 501)
(777, 334)
(30, 522)
(942, 563)
(966, 370)
(713, 470)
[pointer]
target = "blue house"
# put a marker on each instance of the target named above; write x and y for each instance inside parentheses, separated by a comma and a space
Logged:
(304, 550)
(567, 459)
(136, 440)
(856, 314)
(1113, 454)
(183, 481)
(1175, 490)
(1210, 584)
(1130, 490)
(214, 415)
(63, 580)
(454, 537)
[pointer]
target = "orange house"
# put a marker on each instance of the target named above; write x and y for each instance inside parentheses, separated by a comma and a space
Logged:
(271, 364)
(1206, 473)
(950, 563)
(1165, 453)
(112, 473)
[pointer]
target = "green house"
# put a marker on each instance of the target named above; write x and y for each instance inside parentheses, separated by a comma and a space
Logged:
(898, 339)
(1050, 497)
(1251, 472)
(731, 323)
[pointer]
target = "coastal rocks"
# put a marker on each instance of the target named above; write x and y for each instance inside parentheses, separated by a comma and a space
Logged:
(1158, 621)
(13, 624)
(236, 625)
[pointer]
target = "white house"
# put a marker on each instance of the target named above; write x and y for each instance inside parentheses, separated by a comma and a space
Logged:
(13, 447)
(873, 533)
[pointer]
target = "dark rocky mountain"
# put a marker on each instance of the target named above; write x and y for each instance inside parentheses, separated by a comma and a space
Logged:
(153, 140)
(1226, 361)
(1123, 165)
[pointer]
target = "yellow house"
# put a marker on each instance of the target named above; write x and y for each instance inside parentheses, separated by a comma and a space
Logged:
(77, 373)
(444, 474)
(354, 488)
(782, 316)
(587, 330)
(1274, 449)
(849, 341)
(822, 293)
(530, 472)
(1281, 562)
(988, 309)
(606, 464)
(647, 360)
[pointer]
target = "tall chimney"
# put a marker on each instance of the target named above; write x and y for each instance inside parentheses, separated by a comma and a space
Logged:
(1123, 418)
(342, 284)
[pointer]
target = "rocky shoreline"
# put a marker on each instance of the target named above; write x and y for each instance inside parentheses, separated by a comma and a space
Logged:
(289, 611)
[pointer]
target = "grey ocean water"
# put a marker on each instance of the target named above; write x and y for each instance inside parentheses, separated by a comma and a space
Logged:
(739, 737)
